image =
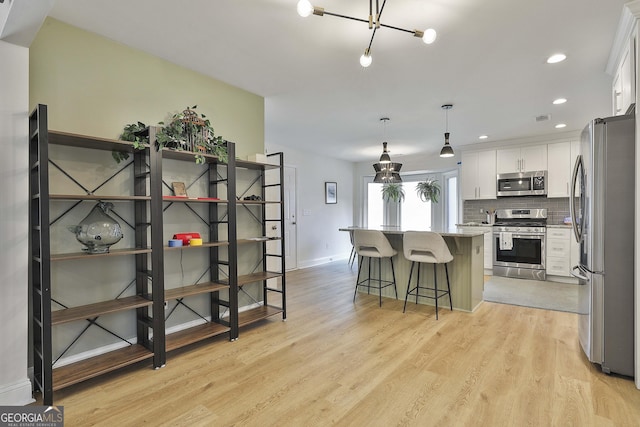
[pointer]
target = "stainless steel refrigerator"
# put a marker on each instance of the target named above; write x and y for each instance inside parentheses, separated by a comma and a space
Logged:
(602, 211)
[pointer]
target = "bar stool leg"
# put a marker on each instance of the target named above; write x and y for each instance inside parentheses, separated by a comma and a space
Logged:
(380, 280)
(408, 286)
(446, 270)
(393, 273)
(435, 282)
(418, 282)
(369, 278)
(357, 278)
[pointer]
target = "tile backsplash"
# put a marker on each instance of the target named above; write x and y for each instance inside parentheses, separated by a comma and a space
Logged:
(557, 209)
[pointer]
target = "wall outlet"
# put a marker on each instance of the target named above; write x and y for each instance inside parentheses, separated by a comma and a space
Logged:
(481, 210)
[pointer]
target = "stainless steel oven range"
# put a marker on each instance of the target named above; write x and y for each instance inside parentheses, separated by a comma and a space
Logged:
(519, 237)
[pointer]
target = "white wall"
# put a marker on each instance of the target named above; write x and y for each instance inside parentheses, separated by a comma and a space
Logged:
(15, 387)
(319, 240)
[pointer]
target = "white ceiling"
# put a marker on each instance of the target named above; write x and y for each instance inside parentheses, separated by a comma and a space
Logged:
(488, 60)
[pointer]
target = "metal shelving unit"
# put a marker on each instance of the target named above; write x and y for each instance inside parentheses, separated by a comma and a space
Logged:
(148, 281)
(222, 285)
(265, 308)
(215, 323)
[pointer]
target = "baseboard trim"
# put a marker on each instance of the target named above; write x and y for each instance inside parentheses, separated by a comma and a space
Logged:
(16, 394)
(320, 261)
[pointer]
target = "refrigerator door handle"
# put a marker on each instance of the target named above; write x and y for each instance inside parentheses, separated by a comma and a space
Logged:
(572, 204)
(583, 269)
(578, 275)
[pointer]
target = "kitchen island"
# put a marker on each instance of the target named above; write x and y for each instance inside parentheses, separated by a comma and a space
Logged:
(466, 271)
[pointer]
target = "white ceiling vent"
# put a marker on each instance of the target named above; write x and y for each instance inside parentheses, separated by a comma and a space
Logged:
(543, 118)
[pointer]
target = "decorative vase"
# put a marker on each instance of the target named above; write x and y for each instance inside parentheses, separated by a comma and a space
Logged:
(98, 230)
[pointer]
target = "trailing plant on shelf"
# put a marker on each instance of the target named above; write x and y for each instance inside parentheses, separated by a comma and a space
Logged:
(392, 192)
(133, 132)
(428, 190)
(186, 130)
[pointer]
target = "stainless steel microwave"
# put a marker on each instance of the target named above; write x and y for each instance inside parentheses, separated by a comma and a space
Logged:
(522, 184)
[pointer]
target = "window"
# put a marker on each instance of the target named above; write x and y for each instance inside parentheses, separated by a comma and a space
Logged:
(413, 213)
(451, 201)
(375, 205)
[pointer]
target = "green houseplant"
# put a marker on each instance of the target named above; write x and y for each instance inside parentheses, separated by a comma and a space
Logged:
(392, 192)
(428, 190)
(186, 130)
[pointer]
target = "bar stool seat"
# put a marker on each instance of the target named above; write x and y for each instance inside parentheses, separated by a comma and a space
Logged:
(426, 247)
(373, 244)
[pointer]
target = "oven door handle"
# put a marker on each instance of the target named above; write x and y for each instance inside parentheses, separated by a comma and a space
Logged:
(522, 235)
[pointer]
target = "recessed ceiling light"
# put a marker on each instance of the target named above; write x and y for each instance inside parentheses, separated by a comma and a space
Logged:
(555, 58)
(560, 125)
(483, 137)
(559, 101)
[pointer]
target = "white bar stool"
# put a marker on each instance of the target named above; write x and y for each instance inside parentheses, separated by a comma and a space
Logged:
(426, 247)
(373, 244)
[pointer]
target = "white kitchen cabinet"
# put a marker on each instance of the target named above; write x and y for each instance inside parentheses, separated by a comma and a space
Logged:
(521, 159)
(478, 175)
(624, 91)
(561, 159)
(562, 251)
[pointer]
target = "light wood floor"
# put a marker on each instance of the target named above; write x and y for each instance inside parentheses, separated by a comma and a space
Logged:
(338, 363)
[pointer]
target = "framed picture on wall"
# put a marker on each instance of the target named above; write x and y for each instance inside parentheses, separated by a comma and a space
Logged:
(330, 192)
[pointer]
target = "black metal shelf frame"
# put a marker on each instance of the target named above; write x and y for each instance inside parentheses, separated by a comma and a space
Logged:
(149, 206)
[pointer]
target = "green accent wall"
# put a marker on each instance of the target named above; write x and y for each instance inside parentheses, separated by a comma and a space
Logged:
(95, 86)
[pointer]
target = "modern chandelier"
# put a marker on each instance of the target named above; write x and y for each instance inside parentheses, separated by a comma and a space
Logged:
(386, 170)
(305, 8)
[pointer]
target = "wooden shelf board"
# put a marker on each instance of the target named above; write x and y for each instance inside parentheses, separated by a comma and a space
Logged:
(245, 241)
(258, 202)
(195, 334)
(189, 200)
(200, 288)
(204, 245)
(257, 277)
(90, 311)
(257, 314)
(112, 252)
(95, 197)
(89, 368)
(255, 165)
(169, 153)
(75, 140)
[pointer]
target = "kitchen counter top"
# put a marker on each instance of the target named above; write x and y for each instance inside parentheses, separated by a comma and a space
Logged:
(465, 271)
(390, 230)
(558, 225)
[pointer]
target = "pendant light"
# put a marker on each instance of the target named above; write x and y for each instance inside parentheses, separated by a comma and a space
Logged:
(386, 170)
(446, 151)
